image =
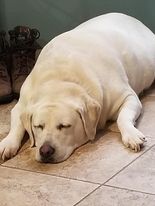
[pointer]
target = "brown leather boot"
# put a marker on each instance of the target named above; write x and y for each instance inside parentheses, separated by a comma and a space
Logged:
(5, 83)
(23, 49)
(22, 64)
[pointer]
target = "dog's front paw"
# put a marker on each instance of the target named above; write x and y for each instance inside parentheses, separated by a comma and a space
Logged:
(134, 139)
(8, 148)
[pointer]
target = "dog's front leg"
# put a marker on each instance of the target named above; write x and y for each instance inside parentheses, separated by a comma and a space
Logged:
(128, 114)
(11, 143)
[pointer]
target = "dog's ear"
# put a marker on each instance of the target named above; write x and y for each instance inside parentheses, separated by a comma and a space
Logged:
(90, 112)
(26, 118)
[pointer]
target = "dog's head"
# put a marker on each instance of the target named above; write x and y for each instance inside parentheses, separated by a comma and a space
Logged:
(58, 129)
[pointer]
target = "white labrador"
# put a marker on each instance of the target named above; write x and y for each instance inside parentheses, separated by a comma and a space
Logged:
(83, 78)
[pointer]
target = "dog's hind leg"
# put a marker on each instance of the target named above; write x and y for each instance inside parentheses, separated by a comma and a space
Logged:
(11, 143)
(128, 114)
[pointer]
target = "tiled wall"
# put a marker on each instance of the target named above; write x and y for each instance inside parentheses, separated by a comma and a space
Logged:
(53, 17)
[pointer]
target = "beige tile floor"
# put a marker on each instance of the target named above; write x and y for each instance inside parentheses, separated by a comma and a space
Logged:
(103, 173)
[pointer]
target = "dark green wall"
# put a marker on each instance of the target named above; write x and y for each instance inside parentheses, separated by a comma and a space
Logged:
(2, 14)
(53, 17)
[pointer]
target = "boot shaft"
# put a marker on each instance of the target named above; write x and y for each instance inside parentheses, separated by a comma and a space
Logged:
(4, 45)
(17, 59)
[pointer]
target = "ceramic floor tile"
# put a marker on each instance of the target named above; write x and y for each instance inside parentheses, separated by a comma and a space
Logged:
(140, 175)
(106, 196)
(95, 162)
(5, 110)
(22, 188)
(147, 119)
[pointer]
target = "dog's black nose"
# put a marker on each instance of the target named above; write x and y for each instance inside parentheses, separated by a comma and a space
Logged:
(46, 151)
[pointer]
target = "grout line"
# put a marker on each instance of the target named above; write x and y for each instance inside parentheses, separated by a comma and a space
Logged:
(51, 175)
(128, 165)
(119, 188)
(106, 185)
(132, 190)
(71, 178)
(115, 187)
(87, 196)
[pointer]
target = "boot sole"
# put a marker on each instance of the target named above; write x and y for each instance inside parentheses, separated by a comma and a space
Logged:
(6, 99)
(16, 95)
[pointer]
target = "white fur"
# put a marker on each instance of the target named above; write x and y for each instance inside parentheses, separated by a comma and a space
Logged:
(85, 77)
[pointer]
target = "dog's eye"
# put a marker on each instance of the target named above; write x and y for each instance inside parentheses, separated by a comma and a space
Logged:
(61, 126)
(39, 126)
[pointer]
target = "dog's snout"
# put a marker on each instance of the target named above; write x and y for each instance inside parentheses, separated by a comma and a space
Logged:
(46, 151)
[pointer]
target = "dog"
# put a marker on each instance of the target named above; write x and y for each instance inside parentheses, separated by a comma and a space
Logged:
(82, 79)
